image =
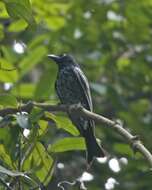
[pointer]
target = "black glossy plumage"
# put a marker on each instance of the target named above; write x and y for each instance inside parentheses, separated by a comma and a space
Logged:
(72, 88)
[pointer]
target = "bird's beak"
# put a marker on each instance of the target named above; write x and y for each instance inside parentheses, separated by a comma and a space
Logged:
(55, 58)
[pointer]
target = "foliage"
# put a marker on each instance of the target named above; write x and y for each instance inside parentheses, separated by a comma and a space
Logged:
(111, 40)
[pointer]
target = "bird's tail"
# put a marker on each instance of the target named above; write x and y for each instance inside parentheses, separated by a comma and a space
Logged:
(93, 148)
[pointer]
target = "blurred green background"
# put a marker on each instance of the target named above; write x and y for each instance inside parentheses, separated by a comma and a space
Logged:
(112, 41)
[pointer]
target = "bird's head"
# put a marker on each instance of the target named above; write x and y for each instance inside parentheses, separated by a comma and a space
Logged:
(63, 60)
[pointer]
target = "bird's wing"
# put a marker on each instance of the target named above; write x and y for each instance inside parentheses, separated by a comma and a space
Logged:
(85, 86)
(58, 93)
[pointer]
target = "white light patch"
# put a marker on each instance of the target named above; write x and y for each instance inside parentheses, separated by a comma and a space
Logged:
(26, 132)
(102, 160)
(22, 119)
(60, 165)
(18, 47)
(118, 35)
(87, 15)
(86, 177)
(7, 86)
(77, 33)
(123, 161)
(114, 165)
(110, 184)
(111, 15)
(105, 1)
(149, 58)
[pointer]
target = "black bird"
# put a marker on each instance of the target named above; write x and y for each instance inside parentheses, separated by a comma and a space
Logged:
(72, 87)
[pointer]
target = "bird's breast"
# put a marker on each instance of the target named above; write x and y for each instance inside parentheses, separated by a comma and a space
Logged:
(68, 88)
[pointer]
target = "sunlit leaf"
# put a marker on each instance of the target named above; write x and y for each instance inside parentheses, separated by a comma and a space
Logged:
(68, 144)
(24, 90)
(46, 161)
(1, 32)
(55, 23)
(9, 58)
(5, 156)
(3, 12)
(43, 127)
(123, 63)
(17, 26)
(8, 100)
(40, 161)
(8, 73)
(64, 123)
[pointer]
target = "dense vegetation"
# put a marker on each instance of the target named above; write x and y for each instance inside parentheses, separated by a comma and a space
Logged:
(111, 39)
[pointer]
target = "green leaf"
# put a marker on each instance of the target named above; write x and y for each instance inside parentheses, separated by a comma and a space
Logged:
(24, 90)
(64, 123)
(9, 138)
(35, 114)
(40, 161)
(17, 26)
(3, 12)
(8, 100)
(5, 156)
(34, 57)
(20, 9)
(68, 144)
(123, 63)
(43, 127)
(55, 23)
(9, 58)
(1, 32)
(46, 161)
(5, 74)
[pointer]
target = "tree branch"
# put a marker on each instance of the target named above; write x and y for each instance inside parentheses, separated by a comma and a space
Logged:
(132, 140)
(79, 110)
